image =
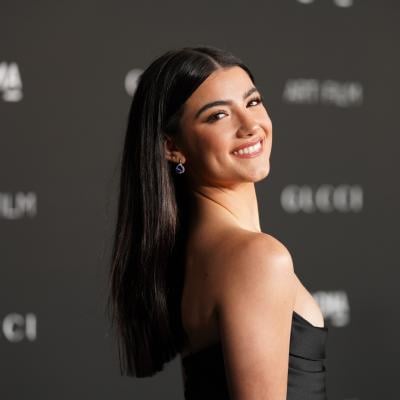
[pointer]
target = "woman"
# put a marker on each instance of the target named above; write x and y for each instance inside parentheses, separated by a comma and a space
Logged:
(192, 273)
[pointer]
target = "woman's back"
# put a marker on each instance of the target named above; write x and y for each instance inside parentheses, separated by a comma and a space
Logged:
(229, 333)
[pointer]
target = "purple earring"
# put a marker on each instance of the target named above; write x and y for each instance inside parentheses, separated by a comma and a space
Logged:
(180, 169)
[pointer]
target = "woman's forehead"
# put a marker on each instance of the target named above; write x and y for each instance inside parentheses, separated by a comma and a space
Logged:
(222, 84)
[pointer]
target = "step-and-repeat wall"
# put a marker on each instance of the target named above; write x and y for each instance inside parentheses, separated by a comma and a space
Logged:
(329, 72)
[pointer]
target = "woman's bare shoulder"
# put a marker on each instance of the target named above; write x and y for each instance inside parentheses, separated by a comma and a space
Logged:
(246, 256)
(240, 247)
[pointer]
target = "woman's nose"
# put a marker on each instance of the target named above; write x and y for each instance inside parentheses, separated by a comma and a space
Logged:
(248, 125)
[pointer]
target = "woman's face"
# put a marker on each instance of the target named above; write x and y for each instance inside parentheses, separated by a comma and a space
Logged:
(211, 133)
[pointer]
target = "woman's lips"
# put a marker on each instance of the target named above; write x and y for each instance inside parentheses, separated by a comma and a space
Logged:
(253, 154)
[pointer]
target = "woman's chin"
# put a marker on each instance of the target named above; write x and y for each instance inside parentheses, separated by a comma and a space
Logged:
(258, 173)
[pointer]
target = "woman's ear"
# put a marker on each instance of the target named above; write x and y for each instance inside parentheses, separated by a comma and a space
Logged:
(172, 153)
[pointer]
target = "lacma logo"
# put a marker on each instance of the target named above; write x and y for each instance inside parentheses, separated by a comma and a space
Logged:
(10, 82)
(335, 306)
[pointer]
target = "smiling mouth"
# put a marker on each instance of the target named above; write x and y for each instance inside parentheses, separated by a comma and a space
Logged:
(250, 151)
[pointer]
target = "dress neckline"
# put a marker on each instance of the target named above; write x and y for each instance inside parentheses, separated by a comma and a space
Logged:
(324, 328)
(295, 315)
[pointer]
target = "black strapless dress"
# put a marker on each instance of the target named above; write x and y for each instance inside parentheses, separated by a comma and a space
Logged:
(204, 372)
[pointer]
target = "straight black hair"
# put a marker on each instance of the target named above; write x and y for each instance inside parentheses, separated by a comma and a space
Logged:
(153, 212)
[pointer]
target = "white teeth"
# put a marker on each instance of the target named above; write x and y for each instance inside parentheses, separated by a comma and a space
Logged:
(249, 150)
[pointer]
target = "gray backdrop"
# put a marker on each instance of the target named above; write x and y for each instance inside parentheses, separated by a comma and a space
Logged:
(329, 72)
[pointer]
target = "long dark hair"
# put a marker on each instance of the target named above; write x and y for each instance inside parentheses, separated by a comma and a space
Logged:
(146, 275)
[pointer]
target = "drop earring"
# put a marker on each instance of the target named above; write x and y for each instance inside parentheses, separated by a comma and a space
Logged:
(180, 169)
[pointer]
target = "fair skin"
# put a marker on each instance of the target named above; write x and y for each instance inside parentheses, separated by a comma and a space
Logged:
(216, 175)
(240, 286)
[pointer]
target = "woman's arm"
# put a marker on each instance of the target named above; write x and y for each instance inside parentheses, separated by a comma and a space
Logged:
(255, 302)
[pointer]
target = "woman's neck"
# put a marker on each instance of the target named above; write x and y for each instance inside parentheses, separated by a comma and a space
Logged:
(236, 206)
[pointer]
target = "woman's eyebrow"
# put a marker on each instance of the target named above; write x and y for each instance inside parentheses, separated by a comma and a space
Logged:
(223, 102)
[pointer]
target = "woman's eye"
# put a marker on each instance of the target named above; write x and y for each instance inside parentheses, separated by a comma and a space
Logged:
(257, 99)
(214, 117)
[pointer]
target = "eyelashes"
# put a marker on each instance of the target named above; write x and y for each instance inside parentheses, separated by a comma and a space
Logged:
(214, 117)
